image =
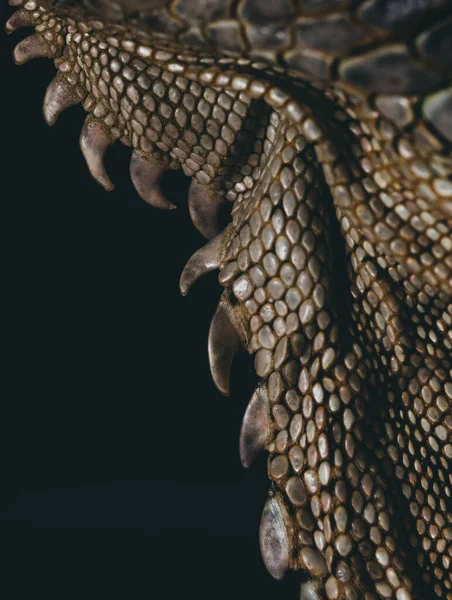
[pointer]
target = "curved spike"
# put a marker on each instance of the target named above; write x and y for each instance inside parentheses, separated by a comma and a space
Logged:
(224, 343)
(58, 97)
(256, 429)
(19, 19)
(308, 591)
(33, 46)
(145, 175)
(204, 205)
(274, 538)
(94, 141)
(203, 261)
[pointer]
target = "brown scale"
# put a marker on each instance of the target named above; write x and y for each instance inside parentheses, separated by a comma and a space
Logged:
(400, 200)
(172, 122)
(354, 402)
(286, 236)
(406, 358)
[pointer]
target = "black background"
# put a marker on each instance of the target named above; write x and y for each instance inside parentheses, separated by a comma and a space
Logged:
(119, 459)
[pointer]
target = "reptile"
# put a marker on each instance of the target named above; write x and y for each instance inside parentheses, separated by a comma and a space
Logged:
(324, 127)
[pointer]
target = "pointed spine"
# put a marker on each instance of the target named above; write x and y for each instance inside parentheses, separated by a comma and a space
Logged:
(275, 538)
(204, 204)
(18, 20)
(203, 261)
(256, 429)
(58, 97)
(33, 46)
(146, 175)
(224, 343)
(94, 141)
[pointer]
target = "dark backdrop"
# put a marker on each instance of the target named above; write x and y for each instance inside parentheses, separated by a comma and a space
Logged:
(119, 466)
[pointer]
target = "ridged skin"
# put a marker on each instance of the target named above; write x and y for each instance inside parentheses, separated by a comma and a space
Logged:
(333, 40)
(330, 136)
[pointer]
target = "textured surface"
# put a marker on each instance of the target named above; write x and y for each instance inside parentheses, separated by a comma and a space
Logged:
(336, 263)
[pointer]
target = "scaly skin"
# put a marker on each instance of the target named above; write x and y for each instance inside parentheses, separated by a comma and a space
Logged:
(337, 261)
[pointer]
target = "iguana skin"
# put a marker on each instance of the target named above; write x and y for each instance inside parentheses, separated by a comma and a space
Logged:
(327, 127)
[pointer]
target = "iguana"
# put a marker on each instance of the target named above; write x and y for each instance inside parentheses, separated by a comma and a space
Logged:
(326, 127)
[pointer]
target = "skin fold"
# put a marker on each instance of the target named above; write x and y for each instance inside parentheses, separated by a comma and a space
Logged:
(325, 128)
